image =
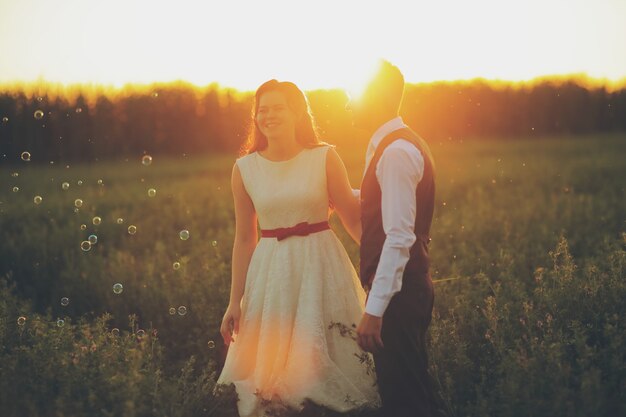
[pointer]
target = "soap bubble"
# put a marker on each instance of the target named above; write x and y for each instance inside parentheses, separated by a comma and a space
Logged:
(38, 114)
(115, 331)
(21, 321)
(120, 220)
(97, 220)
(176, 265)
(85, 245)
(214, 243)
(182, 310)
(16, 189)
(83, 227)
(141, 333)
(146, 160)
(118, 288)
(65, 301)
(79, 182)
(26, 156)
(184, 234)
(78, 202)
(60, 322)
(211, 344)
(132, 229)
(5, 119)
(151, 192)
(172, 311)
(93, 239)
(65, 186)
(99, 182)
(37, 199)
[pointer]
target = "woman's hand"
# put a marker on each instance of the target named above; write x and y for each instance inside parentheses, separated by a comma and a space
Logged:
(230, 323)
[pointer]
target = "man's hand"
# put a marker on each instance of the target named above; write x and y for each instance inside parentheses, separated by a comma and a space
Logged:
(368, 333)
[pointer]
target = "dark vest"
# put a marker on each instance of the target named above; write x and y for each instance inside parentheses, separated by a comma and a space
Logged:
(374, 236)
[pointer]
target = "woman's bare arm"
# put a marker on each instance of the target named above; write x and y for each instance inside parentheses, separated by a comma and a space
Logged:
(340, 192)
(245, 242)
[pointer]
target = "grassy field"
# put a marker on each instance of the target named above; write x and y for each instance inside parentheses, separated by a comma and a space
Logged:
(527, 253)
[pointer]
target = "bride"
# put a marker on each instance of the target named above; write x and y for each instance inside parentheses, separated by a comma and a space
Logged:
(295, 297)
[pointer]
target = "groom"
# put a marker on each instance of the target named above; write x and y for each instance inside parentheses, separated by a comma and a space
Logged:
(397, 201)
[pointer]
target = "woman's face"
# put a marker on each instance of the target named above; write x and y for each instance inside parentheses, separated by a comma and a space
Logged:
(274, 117)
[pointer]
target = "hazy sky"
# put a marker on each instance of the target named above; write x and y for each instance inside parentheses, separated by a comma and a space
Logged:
(316, 43)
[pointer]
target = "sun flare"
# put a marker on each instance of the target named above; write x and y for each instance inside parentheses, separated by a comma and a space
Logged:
(322, 44)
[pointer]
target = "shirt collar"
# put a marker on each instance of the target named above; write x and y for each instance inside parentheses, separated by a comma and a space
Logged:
(385, 129)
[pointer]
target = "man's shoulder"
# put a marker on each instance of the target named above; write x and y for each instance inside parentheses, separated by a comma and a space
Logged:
(402, 147)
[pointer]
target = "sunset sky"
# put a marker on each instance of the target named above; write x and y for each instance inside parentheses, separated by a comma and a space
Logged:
(317, 44)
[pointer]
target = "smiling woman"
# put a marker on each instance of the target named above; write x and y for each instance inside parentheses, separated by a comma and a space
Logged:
(322, 44)
(281, 110)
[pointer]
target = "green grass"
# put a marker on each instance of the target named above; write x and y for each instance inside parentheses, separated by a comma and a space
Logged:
(531, 230)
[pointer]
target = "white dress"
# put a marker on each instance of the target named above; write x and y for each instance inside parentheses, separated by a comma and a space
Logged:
(287, 347)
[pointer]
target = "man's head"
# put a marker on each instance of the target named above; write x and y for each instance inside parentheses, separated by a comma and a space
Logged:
(381, 99)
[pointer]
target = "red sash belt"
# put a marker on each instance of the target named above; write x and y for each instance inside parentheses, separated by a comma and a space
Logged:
(301, 229)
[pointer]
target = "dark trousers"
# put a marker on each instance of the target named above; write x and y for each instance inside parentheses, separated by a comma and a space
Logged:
(402, 366)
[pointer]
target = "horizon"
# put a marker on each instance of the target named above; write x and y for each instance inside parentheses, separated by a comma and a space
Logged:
(581, 79)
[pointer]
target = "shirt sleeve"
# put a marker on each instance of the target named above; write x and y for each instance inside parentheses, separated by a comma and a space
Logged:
(399, 170)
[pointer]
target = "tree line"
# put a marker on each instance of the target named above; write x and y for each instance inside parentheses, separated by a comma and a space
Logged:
(83, 124)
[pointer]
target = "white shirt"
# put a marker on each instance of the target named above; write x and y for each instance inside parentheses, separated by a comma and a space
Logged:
(399, 170)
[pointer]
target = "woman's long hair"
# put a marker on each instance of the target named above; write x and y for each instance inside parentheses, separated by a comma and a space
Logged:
(306, 131)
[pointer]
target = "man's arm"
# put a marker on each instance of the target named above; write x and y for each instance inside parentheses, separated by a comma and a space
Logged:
(399, 170)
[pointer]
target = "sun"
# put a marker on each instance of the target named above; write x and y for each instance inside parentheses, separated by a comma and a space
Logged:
(360, 77)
